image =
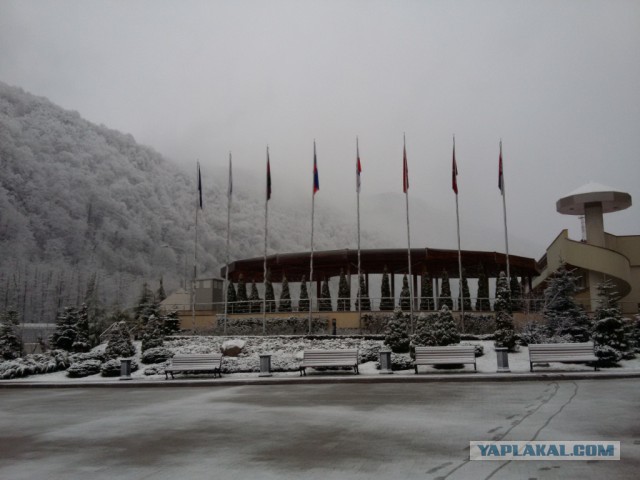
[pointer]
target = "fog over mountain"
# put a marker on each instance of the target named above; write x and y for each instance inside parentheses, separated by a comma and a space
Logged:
(79, 199)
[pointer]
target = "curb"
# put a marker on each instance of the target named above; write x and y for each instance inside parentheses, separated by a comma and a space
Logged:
(324, 379)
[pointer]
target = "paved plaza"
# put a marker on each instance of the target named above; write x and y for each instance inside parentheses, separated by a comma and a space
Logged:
(312, 431)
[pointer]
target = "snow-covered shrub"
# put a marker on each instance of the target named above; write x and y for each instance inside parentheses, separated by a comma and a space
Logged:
(400, 361)
(112, 368)
(10, 344)
(534, 333)
(92, 355)
(65, 333)
(479, 349)
(369, 351)
(405, 295)
(34, 364)
(84, 368)
(82, 343)
(607, 355)
(156, 355)
(171, 323)
(632, 328)
(397, 332)
(275, 326)
(120, 344)
(423, 333)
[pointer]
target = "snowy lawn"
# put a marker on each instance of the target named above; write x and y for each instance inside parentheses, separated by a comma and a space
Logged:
(287, 352)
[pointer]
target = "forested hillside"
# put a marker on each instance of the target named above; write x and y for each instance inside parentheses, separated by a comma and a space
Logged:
(80, 201)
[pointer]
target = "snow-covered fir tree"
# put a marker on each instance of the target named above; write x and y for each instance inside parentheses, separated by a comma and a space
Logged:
(386, 300)
(119, 343)
(482, 302)
(564, 317)
(445, 328)
(465, 296)
(65, 332)
(445, 292)
(171, 324)
(516, 294)
(303, 304)
(285, 296)
(396, 335)
(363, 296)
(153, 334)
(426, 293)
(505, 335)
(146, 305)
(269, 294)
(324, 304)
(344, 293)
(405, 295)
(254, 299)
(82, 343)
(241, 296)
(609, 333)
(160, 294)
(424, 331)
(10, 344)
(232, 298)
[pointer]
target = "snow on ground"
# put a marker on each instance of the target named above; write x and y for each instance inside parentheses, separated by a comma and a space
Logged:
(286, 352)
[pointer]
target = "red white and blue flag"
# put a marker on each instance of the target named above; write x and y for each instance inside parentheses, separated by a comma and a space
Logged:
(268, 177)
(358, 169)
(500, 174)
(405, 171)
(316, 181)
(454, 170)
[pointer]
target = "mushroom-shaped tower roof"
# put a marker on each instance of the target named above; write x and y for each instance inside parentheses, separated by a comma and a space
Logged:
(612, 200)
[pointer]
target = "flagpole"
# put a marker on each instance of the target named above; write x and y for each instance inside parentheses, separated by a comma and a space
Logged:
(226, 273)
(455, 174)
(504, 210)
(358, 210)
(195, 253)
(313, 197)
(266, 216)
(406, 194)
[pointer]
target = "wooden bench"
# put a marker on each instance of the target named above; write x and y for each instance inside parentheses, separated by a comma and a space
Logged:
(329, 358)
(195, 362)
(448, 355)
(562, 352)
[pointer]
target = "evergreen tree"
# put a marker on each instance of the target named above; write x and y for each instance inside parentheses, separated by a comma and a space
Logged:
(344, 293)
(424, 331)
(303, 304)
(445, 292)
(146, 305)
(465, 296)
(505, 335)
(609, 332)
(10, 344)
(445, 329)
(269, 294)
(482, 302)
(386, 300)
(564, 317)
(96, 312)
(171, 323)
(65, 333)
(153, 335)
(254, 299)
(363, 296)
(241, 296)
(231, 298)
(516, 294)
(119, 343)
(405, 295)
(426, 293)
(325, 298)
(285, 296)
(160, 294)
(81, 342)
(396, 335)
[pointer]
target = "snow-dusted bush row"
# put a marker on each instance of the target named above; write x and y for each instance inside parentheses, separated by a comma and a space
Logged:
(34, 364)
(275, 326)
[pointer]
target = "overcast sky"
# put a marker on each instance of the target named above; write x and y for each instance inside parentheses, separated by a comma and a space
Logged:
(558, 81)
